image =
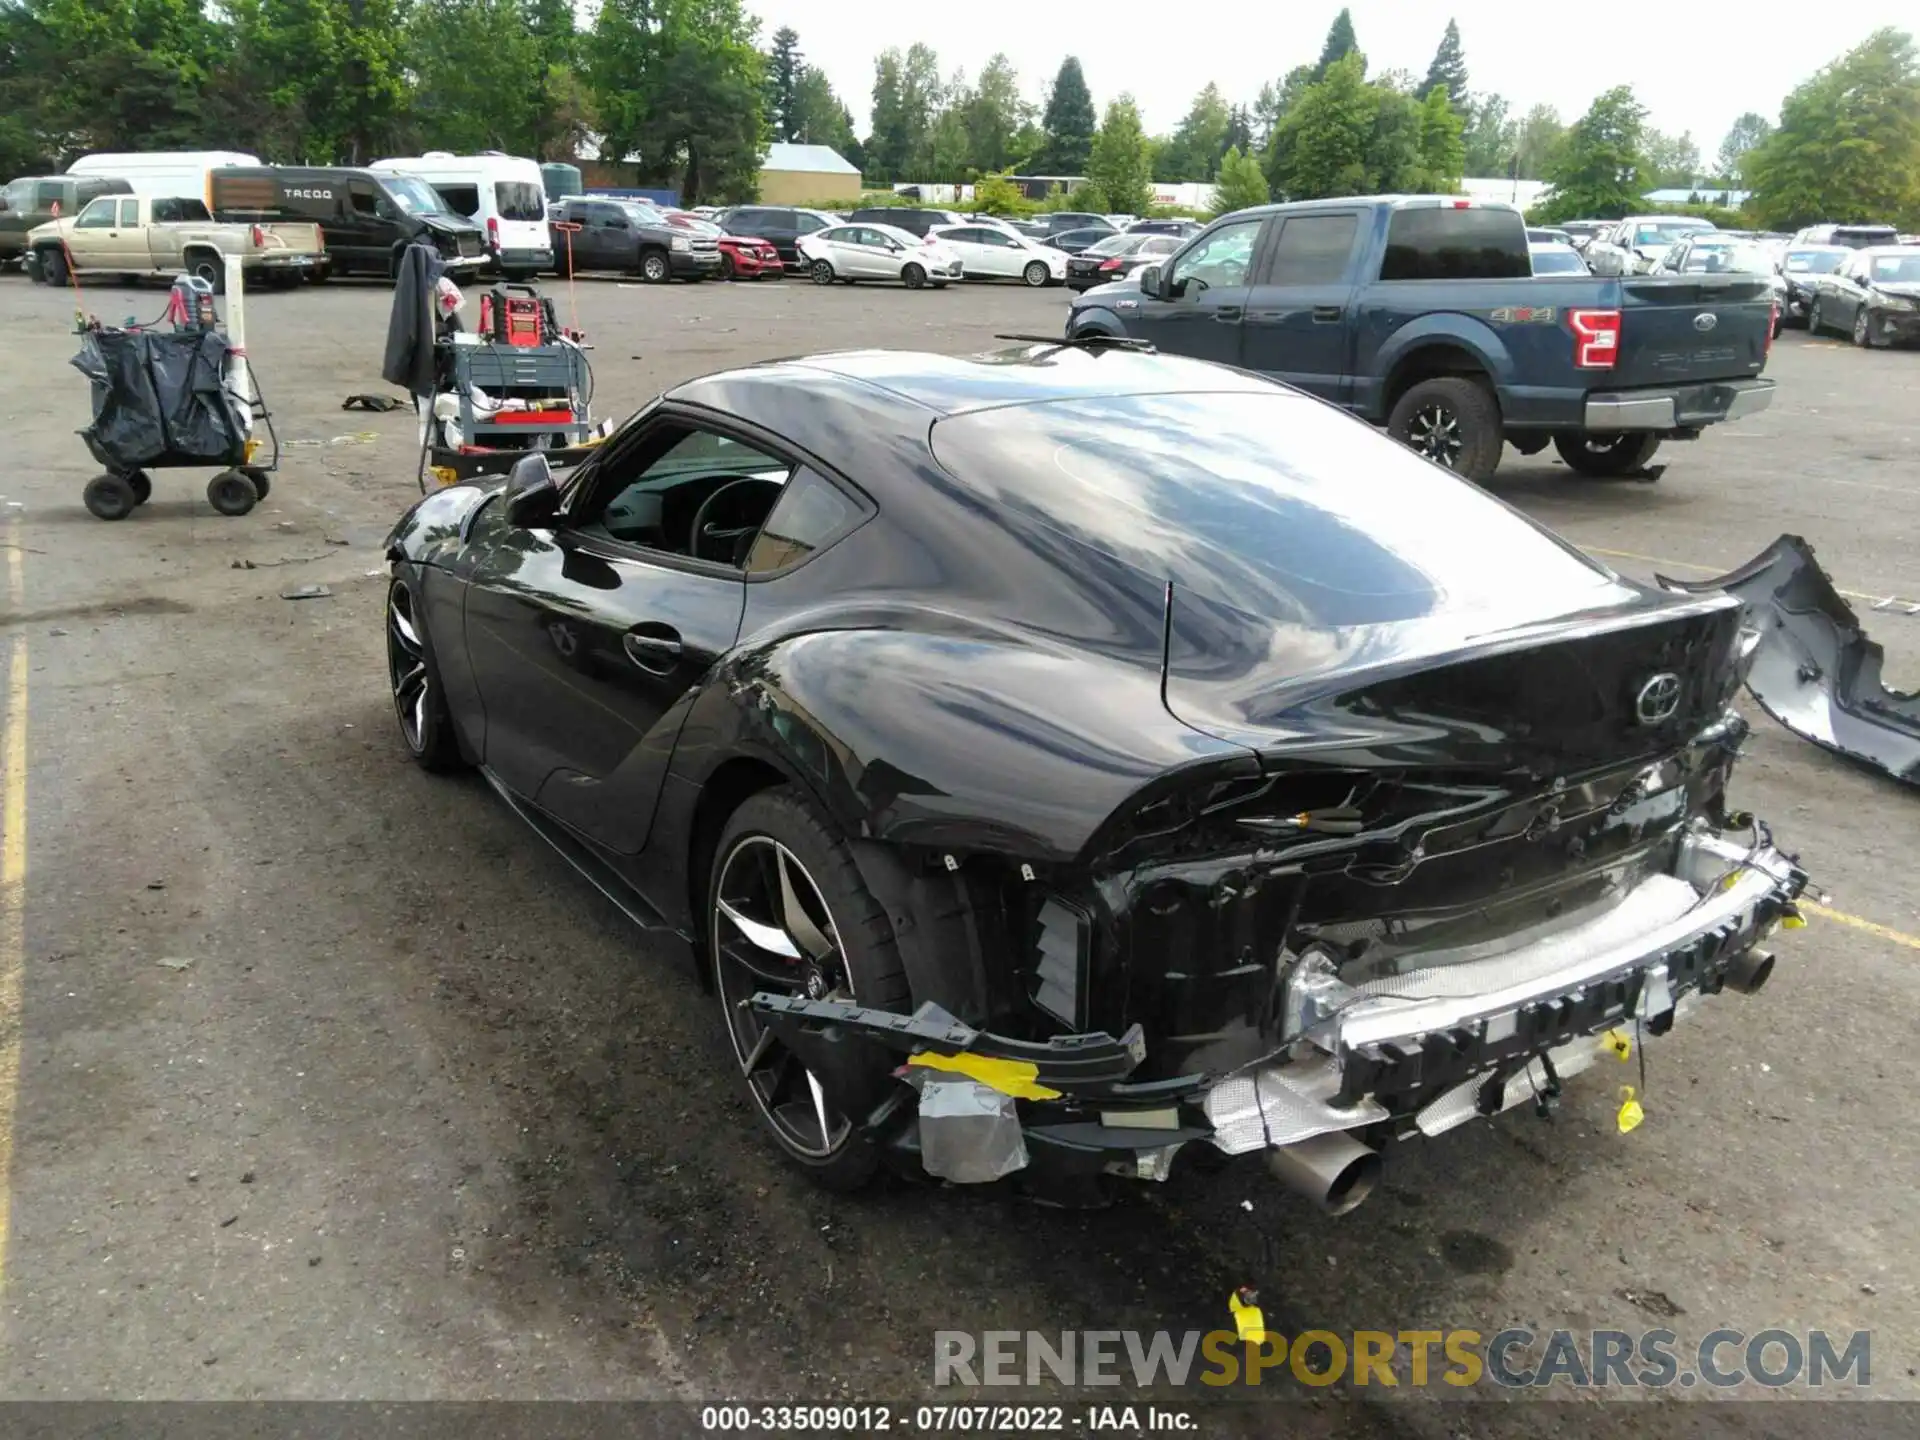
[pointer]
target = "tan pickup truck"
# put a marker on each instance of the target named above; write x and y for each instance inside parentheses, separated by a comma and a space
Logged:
(158, 235)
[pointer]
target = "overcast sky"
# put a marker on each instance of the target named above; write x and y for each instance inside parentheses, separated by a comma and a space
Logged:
(1694, 66)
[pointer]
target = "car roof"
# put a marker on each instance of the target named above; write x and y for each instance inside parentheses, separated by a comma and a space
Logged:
(957, 384)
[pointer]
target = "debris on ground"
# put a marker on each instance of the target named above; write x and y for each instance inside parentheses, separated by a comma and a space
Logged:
(306, 592)
(176, 962)
(1654, 1302)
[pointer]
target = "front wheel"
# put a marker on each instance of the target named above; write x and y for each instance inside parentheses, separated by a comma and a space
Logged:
(787, 912)
(1814, 318)
(1454, 422)
(1863, 328)
(914, 275)
(654, 268)
(1606, 455)
(418, 702)
(231, 493)
(822, 273)
(1036, 274)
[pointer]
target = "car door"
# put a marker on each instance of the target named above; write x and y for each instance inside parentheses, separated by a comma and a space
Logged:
(1298, 327)
(999, 256)
(92, 242)
(1202, 296)
(614, 244)
(976, 247)
(876, 255)
(1848, 292)
(586, 636)
(365, 235)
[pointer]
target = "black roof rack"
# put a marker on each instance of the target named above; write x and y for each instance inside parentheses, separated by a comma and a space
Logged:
(1092, 340)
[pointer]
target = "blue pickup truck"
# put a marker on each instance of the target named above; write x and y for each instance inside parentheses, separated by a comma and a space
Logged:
(1422, 314)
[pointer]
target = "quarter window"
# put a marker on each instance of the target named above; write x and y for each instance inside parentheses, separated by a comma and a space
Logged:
(1441, 242)
(811, 513)
(1313, 250)
(461, 199)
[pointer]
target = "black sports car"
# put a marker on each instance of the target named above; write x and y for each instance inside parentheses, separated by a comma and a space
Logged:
(1070, 758)
(1118, 257)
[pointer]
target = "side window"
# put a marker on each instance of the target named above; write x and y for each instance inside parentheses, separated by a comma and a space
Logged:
(461, 199)
(1441, 242)
(19, 195)
(806, 224)
(811, 512)
(1313, 250)
(48, 194)
(191, 209)
(678, 478)
(129, 212)
(1220, 260)
(98, 215)
(365, 200)
(166, 211)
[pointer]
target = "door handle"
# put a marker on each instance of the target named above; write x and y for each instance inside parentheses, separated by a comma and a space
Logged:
(1327, 314)
(1227, 314)
(653, 652)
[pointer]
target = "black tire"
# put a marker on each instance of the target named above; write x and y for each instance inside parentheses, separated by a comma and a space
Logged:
(1863, 328)
(261, 483)
(53, 267)
(1036, 274)
(231, 493)
(110, 497)
(821, 271)
(142, 486)
(210, 267)
(1814, 317)
(726, 267)
(320, 275)
(913, 275)
(419, 699)
(1603, 456)
(655, 268)
(1454, 422)
(865, 962)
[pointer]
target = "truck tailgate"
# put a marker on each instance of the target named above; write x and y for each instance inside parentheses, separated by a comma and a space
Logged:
(300, 236)
(1684, 329)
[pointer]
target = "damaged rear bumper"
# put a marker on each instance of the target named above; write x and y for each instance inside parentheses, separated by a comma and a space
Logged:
(1451, 1041)
(1812, 666)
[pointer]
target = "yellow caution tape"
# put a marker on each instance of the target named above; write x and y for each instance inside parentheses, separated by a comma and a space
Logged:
(1793, 920)
(1630, 1114)
(1010, 1077)
(1248, 1322)
(1620, 1043)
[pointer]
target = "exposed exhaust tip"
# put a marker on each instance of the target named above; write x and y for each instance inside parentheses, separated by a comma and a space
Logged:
(1334, 1171)
(1751, 971)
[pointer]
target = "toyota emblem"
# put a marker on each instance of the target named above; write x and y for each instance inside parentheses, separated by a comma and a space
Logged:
(1658, 699)
(1705, 321)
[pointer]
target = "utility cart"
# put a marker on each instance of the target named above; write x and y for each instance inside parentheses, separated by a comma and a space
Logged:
(174, 398)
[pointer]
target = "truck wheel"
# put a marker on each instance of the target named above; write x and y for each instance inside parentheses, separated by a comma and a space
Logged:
(210, 268)
(1605, 455)
(655, 268)
(1454, 422)
(53, 267)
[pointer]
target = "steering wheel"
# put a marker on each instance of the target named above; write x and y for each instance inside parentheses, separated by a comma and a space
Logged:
(730, 537)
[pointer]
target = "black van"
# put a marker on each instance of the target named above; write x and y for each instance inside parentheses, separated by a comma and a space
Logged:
(368, 218)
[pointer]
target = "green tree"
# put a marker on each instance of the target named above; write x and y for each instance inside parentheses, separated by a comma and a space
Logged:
(1492, 139)
(561, 114)
(1672, 161)
(1242, 183)
(108, 77)
(820, 117)
(1595, 171)
(1193, 153)
(1443, 153)
(1448, 71)
(1392, 157)
(1745, 134)
(1341, 42)
(890, 144)
(995, 194)
(1068, 123)
(993, 115)
(1539, 137)
(1322, 144)
(1239, 131)
(469, 60)
(1848, 143)
(1121, 163)
(784, 70)
(325, 77)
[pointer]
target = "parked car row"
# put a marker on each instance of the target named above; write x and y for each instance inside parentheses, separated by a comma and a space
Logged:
(1873, 296)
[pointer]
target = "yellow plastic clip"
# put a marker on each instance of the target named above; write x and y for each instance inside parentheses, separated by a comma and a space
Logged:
(1248, 1322)
(1620, 1043)
(1018, 1078)
(253, 448)
(1630, 1114)
(444, 474)
(1793, 920)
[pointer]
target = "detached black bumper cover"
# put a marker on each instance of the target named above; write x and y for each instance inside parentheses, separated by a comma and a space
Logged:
(1813, 667)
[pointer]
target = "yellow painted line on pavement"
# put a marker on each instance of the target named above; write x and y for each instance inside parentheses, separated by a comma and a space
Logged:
(1714, 570)
(13, 879)
(1857, 922)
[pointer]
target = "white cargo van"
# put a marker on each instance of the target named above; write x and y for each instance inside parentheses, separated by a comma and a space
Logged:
(175, 175)
(502, 193)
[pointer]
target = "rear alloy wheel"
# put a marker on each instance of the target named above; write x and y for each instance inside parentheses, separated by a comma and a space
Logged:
(654, 268)
(418, 702)
(1606, 455)
(822, 272)
(1036, 274)
(914, 276)
(787, 913)
(1454, 422)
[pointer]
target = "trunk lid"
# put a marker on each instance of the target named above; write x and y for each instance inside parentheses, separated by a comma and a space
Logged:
(1684, 329)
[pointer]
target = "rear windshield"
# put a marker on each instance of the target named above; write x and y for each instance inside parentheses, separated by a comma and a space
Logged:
(1813, 262)
(1739, 258)
(1862, 238)
(1263, 501)
(1443, 243)
(1667, 230)
(519, 200)
(1118, 245)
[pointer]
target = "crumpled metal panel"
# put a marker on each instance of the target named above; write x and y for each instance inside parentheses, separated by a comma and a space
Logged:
(1813, 668)
(1278, 1105)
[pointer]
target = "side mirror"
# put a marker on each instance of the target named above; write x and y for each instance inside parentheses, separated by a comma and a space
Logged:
(1150, 281)
(533, 500)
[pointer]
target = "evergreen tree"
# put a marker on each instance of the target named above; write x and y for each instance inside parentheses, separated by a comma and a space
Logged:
(1242, 183)
(1341, 42)
(784, 68)
(1596, 169)
(1120, 162)
(1068, 123)
(1326, 136)
(1448, 71)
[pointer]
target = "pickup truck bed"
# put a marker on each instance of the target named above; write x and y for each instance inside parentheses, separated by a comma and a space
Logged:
(1602, 367)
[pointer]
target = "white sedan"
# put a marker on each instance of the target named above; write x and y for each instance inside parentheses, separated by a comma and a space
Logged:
(991, 253)
(878, 252)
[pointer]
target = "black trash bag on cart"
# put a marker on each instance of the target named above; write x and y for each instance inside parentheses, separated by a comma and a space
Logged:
(161, 399)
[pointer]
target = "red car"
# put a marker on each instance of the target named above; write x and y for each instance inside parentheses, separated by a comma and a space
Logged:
(745, 257)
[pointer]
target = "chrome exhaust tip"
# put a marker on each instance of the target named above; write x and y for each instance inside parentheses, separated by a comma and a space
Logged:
(1751, 971)
(1333, 1170)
